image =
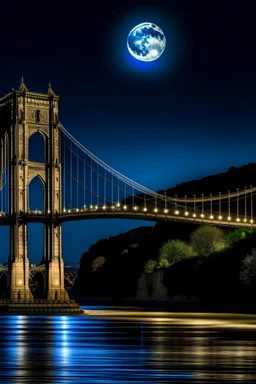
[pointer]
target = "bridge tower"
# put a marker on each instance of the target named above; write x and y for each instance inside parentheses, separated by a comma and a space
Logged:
(22, 113)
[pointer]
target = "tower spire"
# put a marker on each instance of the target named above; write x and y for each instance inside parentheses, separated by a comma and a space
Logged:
(23, 87)
(50, 90)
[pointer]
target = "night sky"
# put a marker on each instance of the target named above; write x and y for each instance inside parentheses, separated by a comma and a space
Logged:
(187, 115)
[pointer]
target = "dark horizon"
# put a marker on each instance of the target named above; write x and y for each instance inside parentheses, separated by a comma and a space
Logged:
(189, 114)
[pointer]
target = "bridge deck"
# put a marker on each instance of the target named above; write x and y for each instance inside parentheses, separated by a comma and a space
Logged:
(78, 215)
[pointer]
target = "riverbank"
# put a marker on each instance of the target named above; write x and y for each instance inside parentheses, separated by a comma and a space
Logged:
(167, 306)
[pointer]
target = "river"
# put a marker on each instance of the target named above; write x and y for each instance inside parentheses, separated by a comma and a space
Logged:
(127, 347)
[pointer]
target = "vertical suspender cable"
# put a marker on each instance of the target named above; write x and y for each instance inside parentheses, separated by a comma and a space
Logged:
(112, 197)
(251, 206)
(84, 179)
(219, 205)
(245, 205)
(77, 181)
(229, 205)
(202, 205)
(105, 188)
(118, 192)
(133, 197)
(194, 205)
(91, 182)
(165, 201)
(64, 171)
(98, 187)
(237, 205)
(186, 204)
(211, 204)
(70, 174)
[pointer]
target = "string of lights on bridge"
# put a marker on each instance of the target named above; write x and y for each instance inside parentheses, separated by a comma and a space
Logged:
(90, 186)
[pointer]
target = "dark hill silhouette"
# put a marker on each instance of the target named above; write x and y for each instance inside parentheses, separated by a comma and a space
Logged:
(127, 253)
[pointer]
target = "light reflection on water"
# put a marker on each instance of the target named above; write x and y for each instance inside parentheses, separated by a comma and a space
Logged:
(87, 349)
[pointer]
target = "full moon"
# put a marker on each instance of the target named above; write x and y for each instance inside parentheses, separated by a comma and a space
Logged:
(146, 42)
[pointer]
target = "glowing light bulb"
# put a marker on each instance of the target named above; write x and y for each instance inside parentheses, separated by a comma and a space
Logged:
(186, 213)
(96, 207)
(229, 218)
(64, 210)
(251, 221)
(237, 219)
(91, 206)
(118, 205)
(220, 217)
(194, 215)
(145, 209)
(166, 211)
(202, 215)
(135, 208)
(77, 210)
(155, 210)
(125, 207)
(104, 207)
(177, 212)
(245, 220)
(211, 217)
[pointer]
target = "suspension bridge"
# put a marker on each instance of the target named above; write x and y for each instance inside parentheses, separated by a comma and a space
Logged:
(80, 186)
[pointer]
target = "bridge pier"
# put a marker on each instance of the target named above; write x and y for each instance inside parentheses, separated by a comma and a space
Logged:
(19, 263)
(23, 113)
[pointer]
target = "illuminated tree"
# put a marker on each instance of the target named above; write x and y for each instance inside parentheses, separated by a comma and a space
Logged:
(207, 239)
(98, 263)
(150, 266)
(248, 270)
(238, 234)
(172, 252)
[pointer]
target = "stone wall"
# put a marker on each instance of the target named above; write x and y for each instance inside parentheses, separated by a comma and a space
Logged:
(151, 286)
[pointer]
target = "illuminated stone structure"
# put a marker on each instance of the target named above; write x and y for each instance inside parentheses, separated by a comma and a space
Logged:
(22, 113)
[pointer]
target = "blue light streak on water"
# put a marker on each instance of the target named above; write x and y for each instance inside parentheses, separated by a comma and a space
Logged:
(81, 349)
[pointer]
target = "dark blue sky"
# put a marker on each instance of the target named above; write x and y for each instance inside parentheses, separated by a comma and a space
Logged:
(185, 116)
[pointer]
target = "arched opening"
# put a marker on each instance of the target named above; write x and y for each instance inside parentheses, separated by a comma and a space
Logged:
(36, 148)
(36, 194)
(3, 286)
(56, 295)
(5, 244)
(19, 295)
(36, 243)
(37, 285)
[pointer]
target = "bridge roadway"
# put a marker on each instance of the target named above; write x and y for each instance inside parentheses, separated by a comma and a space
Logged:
(128, 213)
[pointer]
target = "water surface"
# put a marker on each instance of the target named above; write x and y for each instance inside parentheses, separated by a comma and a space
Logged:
(95, 349)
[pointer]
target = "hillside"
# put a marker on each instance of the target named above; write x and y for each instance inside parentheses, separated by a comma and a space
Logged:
(120, 259)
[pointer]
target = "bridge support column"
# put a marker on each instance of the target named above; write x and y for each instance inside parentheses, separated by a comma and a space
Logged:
(55, 264)
(19, 264)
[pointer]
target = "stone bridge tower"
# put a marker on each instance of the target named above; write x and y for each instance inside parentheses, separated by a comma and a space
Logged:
(22, 113)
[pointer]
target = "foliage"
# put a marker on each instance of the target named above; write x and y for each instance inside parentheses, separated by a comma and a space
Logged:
(206, 240)
(98, 263)
(238, 235)
(150, 266)
(248, 270)
(172, 252)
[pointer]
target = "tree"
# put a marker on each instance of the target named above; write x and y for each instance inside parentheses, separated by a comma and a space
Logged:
(248, 270)
(238, 234)
(98, 263)
(172, 252)
(207, 239)
(150, 266)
